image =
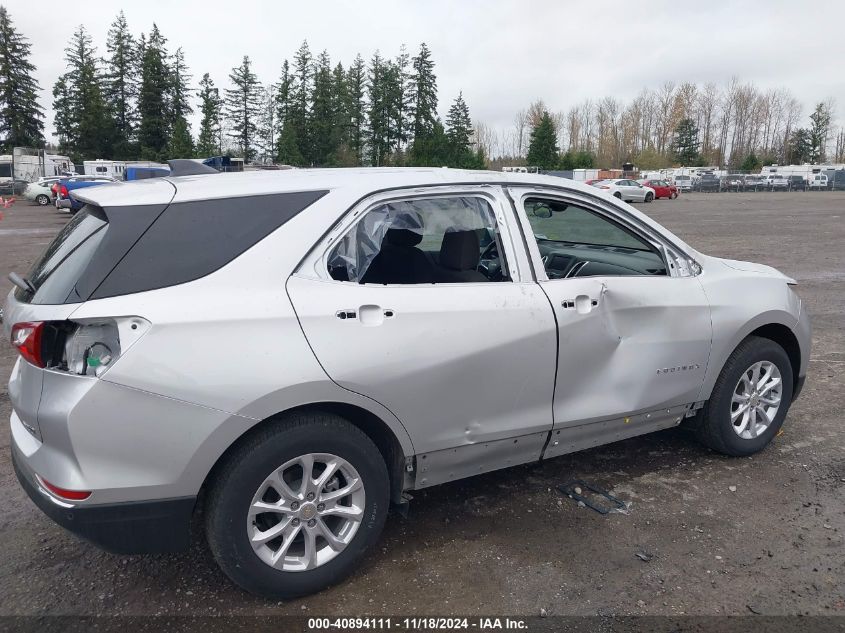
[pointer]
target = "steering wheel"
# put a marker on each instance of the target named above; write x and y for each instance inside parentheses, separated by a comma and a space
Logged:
(489, 263)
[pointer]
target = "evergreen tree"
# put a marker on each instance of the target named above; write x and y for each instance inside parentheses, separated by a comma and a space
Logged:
(181, 144)
(378, 132)
(685, 145)
(341, 122)
(542, 148)
(287, 149)
(120, 87)
(298, 118)
(267, 125)
(283, 101)
(153, 107)
(751, 163)
(63, 115)
(356, 89)
(459, 132)
(323, 137)
(209, 141)
(87, 128)
(423, 95)
(431, 149)
(181, 141)
(180, 90)
(800, 147)
(243, 107)
(819, 131)
(20, 112)
(401, 111)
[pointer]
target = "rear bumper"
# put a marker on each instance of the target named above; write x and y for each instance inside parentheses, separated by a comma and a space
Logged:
(141, 527)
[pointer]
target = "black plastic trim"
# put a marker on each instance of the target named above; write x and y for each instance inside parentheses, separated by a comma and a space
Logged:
(799, 386)
(143, 527)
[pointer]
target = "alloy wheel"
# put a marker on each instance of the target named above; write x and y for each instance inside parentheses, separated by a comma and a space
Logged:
(756, 399)
(306, 512)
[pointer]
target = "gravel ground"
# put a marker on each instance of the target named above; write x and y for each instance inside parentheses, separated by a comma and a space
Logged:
(720, 535)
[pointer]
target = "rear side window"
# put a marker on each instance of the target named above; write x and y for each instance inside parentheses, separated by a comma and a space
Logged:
(58, 269)
(193, 239)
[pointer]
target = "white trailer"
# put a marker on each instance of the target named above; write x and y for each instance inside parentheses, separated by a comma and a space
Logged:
(100, 167)
(806, 170)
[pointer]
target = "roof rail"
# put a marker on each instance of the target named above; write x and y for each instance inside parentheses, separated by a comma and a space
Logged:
(188, 167)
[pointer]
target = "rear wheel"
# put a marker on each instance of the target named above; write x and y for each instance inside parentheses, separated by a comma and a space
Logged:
(750, 399)
(297, 505)
(42, 200)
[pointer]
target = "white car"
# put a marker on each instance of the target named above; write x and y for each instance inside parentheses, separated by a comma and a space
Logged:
(627, 190)
(39, 191)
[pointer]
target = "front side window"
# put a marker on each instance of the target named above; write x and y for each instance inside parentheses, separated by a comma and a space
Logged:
(422, 241)
(576, 242)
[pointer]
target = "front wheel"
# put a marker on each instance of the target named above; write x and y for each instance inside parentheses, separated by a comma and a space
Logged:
(617, 195)
(673, 195)
(297, 505)
(649, 197)
(750, 399)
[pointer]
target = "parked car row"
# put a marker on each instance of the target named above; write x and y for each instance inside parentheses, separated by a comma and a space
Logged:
(55, 190)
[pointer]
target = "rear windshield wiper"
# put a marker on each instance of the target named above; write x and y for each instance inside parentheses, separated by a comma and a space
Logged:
(22, 282)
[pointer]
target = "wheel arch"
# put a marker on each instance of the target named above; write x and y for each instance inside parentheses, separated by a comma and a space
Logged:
(381, 434)
(773, 327)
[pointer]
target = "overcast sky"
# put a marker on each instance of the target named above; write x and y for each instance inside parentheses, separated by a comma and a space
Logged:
(503, 55)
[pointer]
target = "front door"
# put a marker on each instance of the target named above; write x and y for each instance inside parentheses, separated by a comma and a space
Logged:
(422, 305)
(634, 335)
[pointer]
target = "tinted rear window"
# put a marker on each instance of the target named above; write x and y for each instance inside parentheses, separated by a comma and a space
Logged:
(193, 239)
(57, 270)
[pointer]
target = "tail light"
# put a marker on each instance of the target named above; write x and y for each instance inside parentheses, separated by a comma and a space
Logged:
(26, 338)
(64, 493)
(85, 348)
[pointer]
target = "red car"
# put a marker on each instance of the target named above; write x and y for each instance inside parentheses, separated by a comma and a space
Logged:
(662, 189)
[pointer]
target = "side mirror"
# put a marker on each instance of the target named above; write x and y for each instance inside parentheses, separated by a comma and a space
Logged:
(541, 210)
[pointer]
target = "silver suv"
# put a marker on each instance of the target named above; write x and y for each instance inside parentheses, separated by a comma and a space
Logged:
(301, 349)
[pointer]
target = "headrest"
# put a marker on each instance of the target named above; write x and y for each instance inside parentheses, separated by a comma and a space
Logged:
(460, 250)
(404, 238)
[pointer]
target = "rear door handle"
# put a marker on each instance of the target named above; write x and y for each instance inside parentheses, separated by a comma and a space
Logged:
(366, 314)
(582, 304)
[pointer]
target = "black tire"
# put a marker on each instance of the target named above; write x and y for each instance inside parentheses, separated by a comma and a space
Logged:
(713, 426)
(617, 195)
(673, 195)
(243, 472)
(42, 200)
(649, 197)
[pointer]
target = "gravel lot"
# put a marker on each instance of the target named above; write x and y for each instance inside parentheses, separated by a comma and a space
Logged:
(722, 536)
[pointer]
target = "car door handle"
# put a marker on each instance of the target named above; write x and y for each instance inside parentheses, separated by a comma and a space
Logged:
(367, 314)
(582, 303)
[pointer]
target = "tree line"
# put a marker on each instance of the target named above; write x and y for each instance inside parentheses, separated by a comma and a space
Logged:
(135, 103)
(735, 126)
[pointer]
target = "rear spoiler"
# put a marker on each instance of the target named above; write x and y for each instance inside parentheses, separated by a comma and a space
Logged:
(188, 167)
